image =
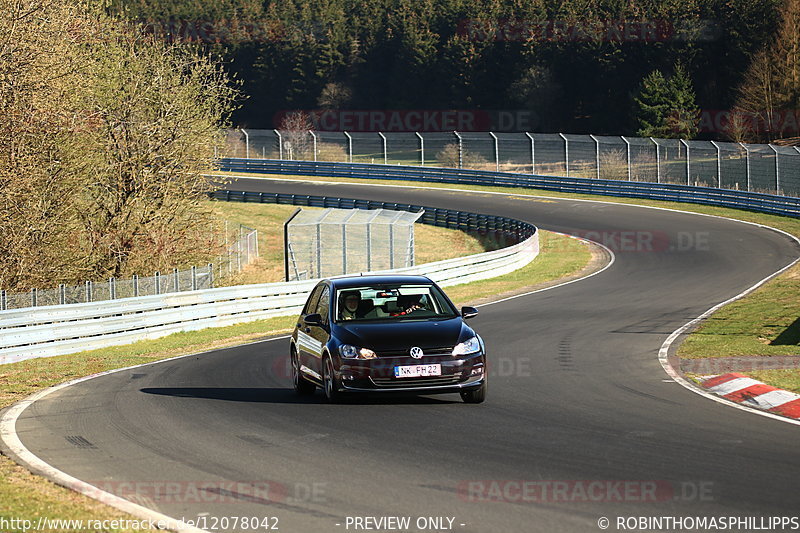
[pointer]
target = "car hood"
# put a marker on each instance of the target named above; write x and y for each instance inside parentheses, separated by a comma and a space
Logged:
(403, 334)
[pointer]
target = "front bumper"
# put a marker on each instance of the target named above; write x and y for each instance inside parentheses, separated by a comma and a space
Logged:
(377, 375)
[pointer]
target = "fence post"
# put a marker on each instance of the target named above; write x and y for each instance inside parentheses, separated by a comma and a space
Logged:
(719, 164)
(313, 136)
(111, 291)
(34, 298)
(88, 291)
(566, 152)
(533, 153)
(596, 155)
(747, 158)
(460, 150)
(421, 149)
(280, 144)
(349, 147)
(391, 246)
(211, 275)
(136, 285)
(62, 294)
(3, 300)
(158, 282)
(777, 170)
(385, 155)
(496, 152)
(194, 278)
(688, 169)
(175, 284)
(658, 160)
(628, 156)
(246, 143)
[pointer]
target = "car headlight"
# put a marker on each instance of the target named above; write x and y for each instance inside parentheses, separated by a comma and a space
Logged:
(348, 351)
(467, 347)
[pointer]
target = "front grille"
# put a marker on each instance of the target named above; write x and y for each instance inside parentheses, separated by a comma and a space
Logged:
(416, 382)
(406, 352)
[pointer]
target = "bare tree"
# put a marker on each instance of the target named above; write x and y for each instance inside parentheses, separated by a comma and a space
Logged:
(297, 142)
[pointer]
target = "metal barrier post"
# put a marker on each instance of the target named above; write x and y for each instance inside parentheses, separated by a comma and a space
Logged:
(596, 155)
(566, 152)
(175, 283)
(211, 275)
(34, 298)
(385, 154)
(88, 291)
(719, 164)
(460, 150)
(777, 170)
(421, 149)
(688, 169)
(246, 143)
(3, 300)
(658, 160)
(136, 284)
(349, 147)
(194, 278)
(112, 289)
(280, 144)
(158, 282)
(496, 152)
(533, 153)
(62, 294)
(628, 156)
(747, 157)
(313, 136)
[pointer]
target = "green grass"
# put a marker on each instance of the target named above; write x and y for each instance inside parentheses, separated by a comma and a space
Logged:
(785, 379)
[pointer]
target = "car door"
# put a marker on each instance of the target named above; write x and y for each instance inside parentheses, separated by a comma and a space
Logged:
(320, 334)
(307, 345)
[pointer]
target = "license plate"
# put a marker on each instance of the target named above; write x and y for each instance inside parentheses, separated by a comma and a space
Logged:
(417, 371)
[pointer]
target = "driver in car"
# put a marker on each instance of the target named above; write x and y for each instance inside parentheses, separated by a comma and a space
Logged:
(350, 305)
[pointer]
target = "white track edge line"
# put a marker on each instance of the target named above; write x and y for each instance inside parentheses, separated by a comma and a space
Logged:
(9, 436)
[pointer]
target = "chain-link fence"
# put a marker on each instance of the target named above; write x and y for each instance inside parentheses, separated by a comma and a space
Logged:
(241, 249)
(330, 242)
(763, 168)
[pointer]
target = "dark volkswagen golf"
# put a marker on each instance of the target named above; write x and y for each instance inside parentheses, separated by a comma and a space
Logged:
(386, 333)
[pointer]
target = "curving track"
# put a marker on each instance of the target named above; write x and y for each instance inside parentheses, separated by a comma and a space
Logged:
(577, 393)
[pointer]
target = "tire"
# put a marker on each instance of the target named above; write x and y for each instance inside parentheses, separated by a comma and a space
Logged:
(475, 395)
(302, 386)
(330, 386)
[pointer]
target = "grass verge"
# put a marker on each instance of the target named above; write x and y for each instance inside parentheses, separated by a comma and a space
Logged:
(27, 496)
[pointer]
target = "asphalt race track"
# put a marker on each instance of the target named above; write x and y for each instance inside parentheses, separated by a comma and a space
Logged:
(578, 403)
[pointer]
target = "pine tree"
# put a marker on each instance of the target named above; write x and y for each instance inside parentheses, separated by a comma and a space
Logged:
(653, 103)
(666, 107)
(684, 114)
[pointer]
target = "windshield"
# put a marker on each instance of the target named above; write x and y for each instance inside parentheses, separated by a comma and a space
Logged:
(392, 302)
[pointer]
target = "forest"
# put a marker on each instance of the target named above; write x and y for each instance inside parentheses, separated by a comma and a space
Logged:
(579, 66)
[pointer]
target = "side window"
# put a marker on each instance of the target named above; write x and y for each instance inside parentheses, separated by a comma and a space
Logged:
(311, 304)
(324, 304)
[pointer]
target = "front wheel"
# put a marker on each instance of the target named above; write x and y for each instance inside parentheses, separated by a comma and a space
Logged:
(302, 386)
(475, 395)
(329, 381)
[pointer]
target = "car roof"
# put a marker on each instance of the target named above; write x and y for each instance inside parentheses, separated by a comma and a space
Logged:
(360, 281)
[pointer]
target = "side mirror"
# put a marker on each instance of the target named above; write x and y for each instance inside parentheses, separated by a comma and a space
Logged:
(314, 319)
(468, 312)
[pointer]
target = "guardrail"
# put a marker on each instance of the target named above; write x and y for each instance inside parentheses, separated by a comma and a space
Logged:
(751, 201)
(63, 329)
